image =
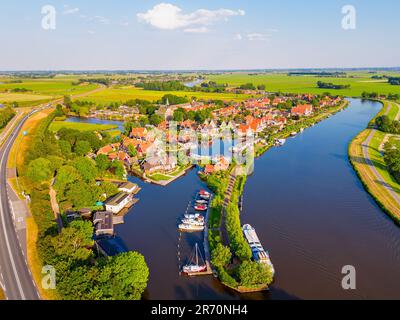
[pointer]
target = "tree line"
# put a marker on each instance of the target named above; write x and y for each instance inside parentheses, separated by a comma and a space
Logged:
(6, 114)
(81, 272)
(329, 85)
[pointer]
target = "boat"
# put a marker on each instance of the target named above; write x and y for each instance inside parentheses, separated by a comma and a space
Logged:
(196, 263)
(193, 222)
(280, 142)
(260, 255)
(190, 227)
(202, 201)
(301, 130)
(200, 207)
(204, 194)
(293, 134)
(193, 215)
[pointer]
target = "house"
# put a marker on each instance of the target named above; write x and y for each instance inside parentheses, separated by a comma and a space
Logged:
(106, 150)
(118, 202)
(103, 223)
(302, 110)
(128, 187)
(209, 169)
(139, 133)
(245, 131)
(158, 163)
(221, 164)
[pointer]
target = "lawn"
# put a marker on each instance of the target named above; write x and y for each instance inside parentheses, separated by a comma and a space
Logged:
(124, 94)
(159, 177)
(50, 87)
(18, 97)
(360, 81)
(57, 125)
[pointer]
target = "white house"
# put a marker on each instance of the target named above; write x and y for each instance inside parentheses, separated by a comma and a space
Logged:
(118, 202)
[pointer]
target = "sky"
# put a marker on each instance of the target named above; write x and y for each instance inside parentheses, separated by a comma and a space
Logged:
(201, 35)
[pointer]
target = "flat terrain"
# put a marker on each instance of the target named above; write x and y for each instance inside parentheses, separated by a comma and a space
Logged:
(275, 82)
(124, 94)
(57, 125)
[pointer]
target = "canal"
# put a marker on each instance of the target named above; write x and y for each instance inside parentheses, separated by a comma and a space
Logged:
(309, 210)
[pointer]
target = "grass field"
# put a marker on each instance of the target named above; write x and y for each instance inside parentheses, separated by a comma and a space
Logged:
(51, 87)
(127, 93)
(364, 171)
(275, 82)
(57, 125)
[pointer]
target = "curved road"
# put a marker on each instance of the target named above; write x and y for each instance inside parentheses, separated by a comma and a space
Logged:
(15, 277)
(365, 147)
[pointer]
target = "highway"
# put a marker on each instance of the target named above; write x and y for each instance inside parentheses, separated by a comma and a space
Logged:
(15, 277)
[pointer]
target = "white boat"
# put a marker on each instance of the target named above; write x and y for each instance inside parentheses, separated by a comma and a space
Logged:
(259, 253)
(193, 222)
(293, 134)
(201, 201)
(301, 130)
(190, 227)
(280, 142)
(196, 263)
(193, 215)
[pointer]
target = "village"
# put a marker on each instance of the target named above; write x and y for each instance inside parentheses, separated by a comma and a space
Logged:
(160, 154)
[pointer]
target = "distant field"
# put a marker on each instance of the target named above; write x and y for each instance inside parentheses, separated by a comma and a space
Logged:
(57, 125)
(11, 97)
(308, 84)
(51, 87)
(125, 94)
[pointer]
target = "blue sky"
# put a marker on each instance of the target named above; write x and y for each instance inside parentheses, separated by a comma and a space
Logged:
(213, 34)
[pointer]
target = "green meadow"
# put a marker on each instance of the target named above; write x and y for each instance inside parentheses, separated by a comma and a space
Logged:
(57, 125)
(50, 87)
(275, 82)
(124, 94)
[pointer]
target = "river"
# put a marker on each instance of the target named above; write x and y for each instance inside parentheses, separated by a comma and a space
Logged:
(309, 210)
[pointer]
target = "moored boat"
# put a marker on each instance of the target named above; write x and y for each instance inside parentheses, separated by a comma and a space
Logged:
(190, 227)
(193, 215)
(293, 134)
(200, 207)
(196, 263)
(259, 253)
(193, 222)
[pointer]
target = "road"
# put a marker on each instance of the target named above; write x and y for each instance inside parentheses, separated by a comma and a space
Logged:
(365, 147)
(15, 277)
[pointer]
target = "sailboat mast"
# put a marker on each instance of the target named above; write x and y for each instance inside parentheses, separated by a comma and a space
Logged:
(197, 256)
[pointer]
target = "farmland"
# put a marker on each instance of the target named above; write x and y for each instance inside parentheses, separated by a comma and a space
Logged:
(275, 82)
(57, 125)
(127, 93)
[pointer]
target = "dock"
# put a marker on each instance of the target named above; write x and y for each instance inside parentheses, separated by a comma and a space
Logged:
(206, 247)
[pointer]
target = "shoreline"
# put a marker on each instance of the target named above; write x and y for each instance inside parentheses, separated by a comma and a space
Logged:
(366, 174)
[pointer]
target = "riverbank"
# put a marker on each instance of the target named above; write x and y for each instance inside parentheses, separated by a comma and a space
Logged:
(367, 160)
(304, 123)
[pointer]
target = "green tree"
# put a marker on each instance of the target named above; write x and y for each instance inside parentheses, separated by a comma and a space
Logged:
(118, 168)
(82, 148)
(251, 273)
(65, 176)
(82, 195)
(86, 168)
(155, 119)
(102, 162)
(132, 150)
(75, 241)
(65, 148)
(221, 255)
(39, 170)
(125, 277)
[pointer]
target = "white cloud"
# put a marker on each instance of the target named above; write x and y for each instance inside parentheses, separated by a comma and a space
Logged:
(196, 30)
(238, 36)
(166, 16)
(257, 36)
(69, 10)
(101, 19)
